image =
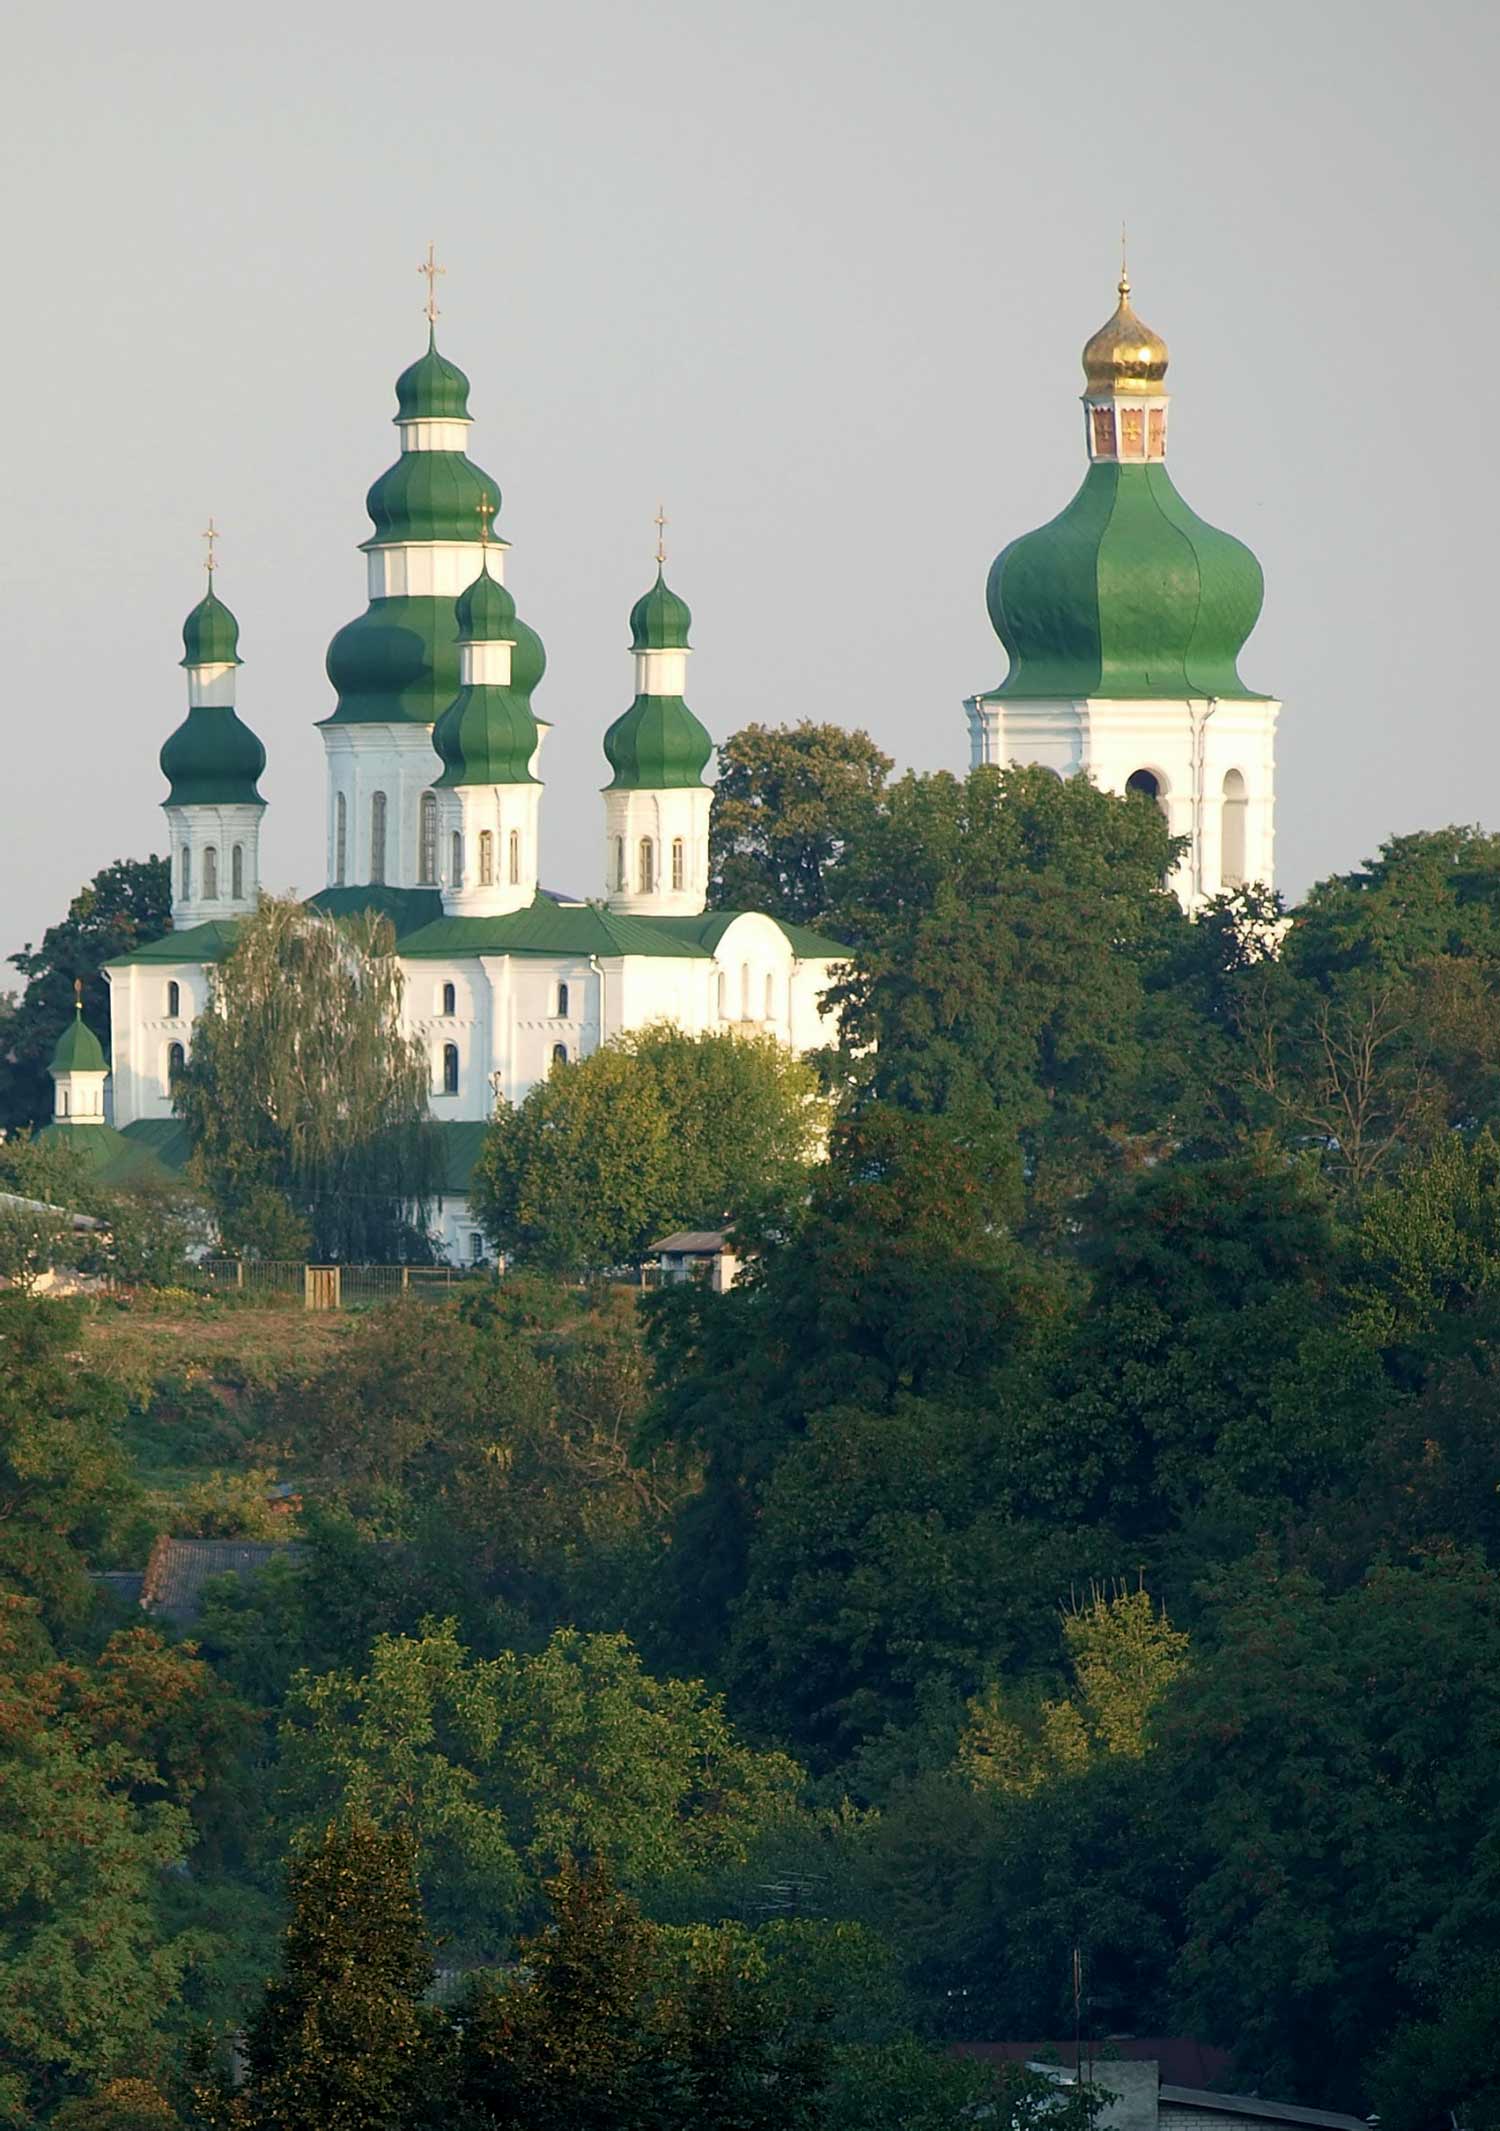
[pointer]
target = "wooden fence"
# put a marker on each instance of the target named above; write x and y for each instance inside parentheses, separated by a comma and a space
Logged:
(333, 1287)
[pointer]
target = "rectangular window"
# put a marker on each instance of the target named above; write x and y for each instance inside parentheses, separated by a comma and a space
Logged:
(486, 858)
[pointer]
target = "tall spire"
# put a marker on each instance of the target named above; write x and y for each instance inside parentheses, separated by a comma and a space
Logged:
(431, 269)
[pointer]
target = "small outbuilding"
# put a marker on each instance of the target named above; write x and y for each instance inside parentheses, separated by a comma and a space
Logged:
(704, 1254)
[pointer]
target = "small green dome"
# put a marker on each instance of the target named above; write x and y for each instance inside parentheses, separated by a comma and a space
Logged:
(213, 759)
(658, 745)
(486, 736)
(78, 1049)
(1126, 593)
(659, 620)
(211, 635)
(486, 612)
(431, 495)
(432, 389)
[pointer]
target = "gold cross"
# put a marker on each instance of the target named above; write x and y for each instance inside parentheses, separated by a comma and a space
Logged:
(1124, 268)
(431, 269)
(486, 511)
(660, 522)
(210, 535)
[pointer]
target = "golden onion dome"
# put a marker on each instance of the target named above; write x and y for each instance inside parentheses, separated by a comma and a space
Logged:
(1125, 356)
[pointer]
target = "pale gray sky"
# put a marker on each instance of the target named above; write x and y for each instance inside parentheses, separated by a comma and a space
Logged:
(817, 272)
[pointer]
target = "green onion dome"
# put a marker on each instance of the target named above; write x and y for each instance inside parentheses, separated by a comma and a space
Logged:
(211, 635)
(1126, 593)
(213, 759)
(78, 1048)
(658, 745)
(431, 495)
(488, 734)
(659, 620)
(486, 612)
(395, 664)
(432, 389)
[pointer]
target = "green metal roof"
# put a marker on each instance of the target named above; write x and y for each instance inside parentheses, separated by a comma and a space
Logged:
(213, 759)
(209, 942)
(486, 735)
(407, 908)
(659, 620)
(1126, 593)
(432, 389)
(211, 635)
(78, 1049)
(548, 928)
(431, 495)
(485, 610)
(657, 745)
(395, 664)
(117, 1159)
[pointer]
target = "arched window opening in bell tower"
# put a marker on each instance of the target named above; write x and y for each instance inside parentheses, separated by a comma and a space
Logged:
(1235, 822)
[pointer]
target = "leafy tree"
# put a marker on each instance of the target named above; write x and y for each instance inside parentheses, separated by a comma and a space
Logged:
(1334, 1759)
(97, 1769)
(141, 1235)
(1444, 2068)
(790, 803)
(651, 1132)
(306, 1105)
(126, 906)
(503, 1767)
(1124, 1654)
(65, 1482)
(610, 2024)
(119, 2105)
(899, 1280)
(341, 2040)
(1005, 933)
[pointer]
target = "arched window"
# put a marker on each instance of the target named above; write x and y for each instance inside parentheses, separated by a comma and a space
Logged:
(450, 1068)
(679, 862)
(210, 874)
(486, 858)
(176, 1060)
(427, 842)
(377, 838)
(185, 876)
(744, 991)
(770, 996)
(647, 866)
(450, 998)
(340, 840)
(476, 1247)
(1236, 811)
(619, 862)
(174, 1000)
(62, 1102)
(559, 1054)
(562, 1001)
(1145, 783)
(723, 996)
(457, 859)
(237, 873)
(515, 858)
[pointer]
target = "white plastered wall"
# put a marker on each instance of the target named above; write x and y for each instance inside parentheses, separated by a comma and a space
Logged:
(143, 1030)
(199, 829)
(361, 761)
(1189, 745)
(659, 818)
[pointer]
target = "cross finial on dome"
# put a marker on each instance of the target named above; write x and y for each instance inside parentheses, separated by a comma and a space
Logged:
(486, 511)
(78, 997)
(210, 535)
(1124, 263)
(660, 522)
(431, 269)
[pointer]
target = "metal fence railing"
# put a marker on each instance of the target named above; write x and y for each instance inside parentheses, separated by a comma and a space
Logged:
(331, 1287)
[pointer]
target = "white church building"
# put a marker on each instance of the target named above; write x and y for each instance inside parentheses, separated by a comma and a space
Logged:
(1123, 619)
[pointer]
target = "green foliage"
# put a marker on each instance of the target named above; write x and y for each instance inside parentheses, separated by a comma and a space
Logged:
(65, 1484)
(139, 1235)
(503, 1767)
(1444, 2069)
(657, 1130)
(98, 1767)
(341, 2040)
(790, 804)
(126, 906)
(306, 1104)
(1006, 931)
